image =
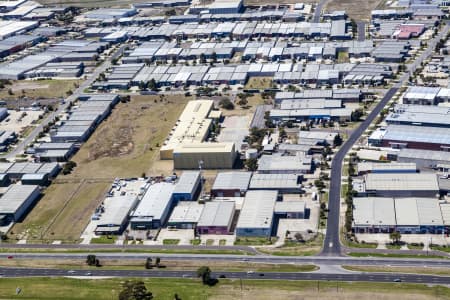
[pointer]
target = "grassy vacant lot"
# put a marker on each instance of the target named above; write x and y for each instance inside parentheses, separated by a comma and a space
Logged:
(39, 88)
(259, 83)
(358, 10)
(125, 145)
(249, 109)
(311, 247)
(169, 265)
(415, 270)
(70, 289)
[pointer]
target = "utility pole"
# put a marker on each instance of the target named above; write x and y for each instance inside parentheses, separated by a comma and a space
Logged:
(200, 166)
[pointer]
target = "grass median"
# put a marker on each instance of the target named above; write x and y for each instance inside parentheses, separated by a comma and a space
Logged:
(44, 288)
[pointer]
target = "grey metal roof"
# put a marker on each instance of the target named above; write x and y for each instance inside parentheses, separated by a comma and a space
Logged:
(374, 211)
(217, 214)
(187, 182)
(186, 212)
(15, 196)
(232, 181)
(155, 201)
(401, 181)
(421, 134)
(258, 209)
(275, 181)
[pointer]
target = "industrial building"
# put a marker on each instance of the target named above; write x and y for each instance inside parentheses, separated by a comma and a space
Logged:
(420, 115)
(414, 137)
(290, 209)
(40, 179)
(405, 215)
(397, 185)
(216, 218)
(17, 170)
(207, 155)
(420, 95)
(231, 184)
(187, 187)
(16, 201)
(219, 7)
(373, 215)
(386, 168)
(418, 215)
(114, 218)
(422, 158)
(154, 208)
(185, 215)
(283, 183)
(280, 164)
(192, 126)
(256, 217)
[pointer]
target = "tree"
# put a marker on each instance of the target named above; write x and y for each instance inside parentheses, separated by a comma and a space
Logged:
(135, 290)
(320, 185)
(395, 236)
(152, 85)
(68, 167)
(299, 237)
(157, 261)
(91, 260)
(214, 57)
(148, 263)
(251, 164)
(202, 58)
(337, 140)
(225, 103)
(176, 297)
(205, 273)
(356, 115)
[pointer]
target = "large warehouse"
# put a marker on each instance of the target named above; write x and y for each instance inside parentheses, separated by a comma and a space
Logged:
(192, 127)
(154, 208)
(16, 201)
(422, 158)
(187, 186)
(216, 218)
(373, 215)
(115, 216)
(185, 215)
(209, 155)
(414, 137)
(231, 184)
(406, 215)
(372, 167)
(283, 183)
(256, 218)
(398, 185)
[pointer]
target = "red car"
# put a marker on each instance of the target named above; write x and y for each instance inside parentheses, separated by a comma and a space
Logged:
(10, 257)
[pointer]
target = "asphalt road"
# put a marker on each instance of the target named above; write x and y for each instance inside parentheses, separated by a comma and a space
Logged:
(332, 245)
(62, 107)
(378, 277)
(316, 260)
(361, 27)
(318, 11)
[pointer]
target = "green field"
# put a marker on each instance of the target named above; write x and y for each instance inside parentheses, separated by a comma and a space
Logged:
(73, 289)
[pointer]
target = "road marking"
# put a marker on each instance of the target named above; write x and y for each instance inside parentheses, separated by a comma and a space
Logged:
(330, 244)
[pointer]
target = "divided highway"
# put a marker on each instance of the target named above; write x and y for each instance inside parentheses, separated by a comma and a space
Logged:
(378, 277)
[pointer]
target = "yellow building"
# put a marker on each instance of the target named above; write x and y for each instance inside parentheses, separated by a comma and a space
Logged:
(192, 126)
(213, 155)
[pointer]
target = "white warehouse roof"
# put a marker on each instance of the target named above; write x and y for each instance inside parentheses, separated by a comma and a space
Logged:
(257, 210)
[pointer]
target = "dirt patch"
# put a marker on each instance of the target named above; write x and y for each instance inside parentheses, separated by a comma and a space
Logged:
(28, 86)
(356, 9)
